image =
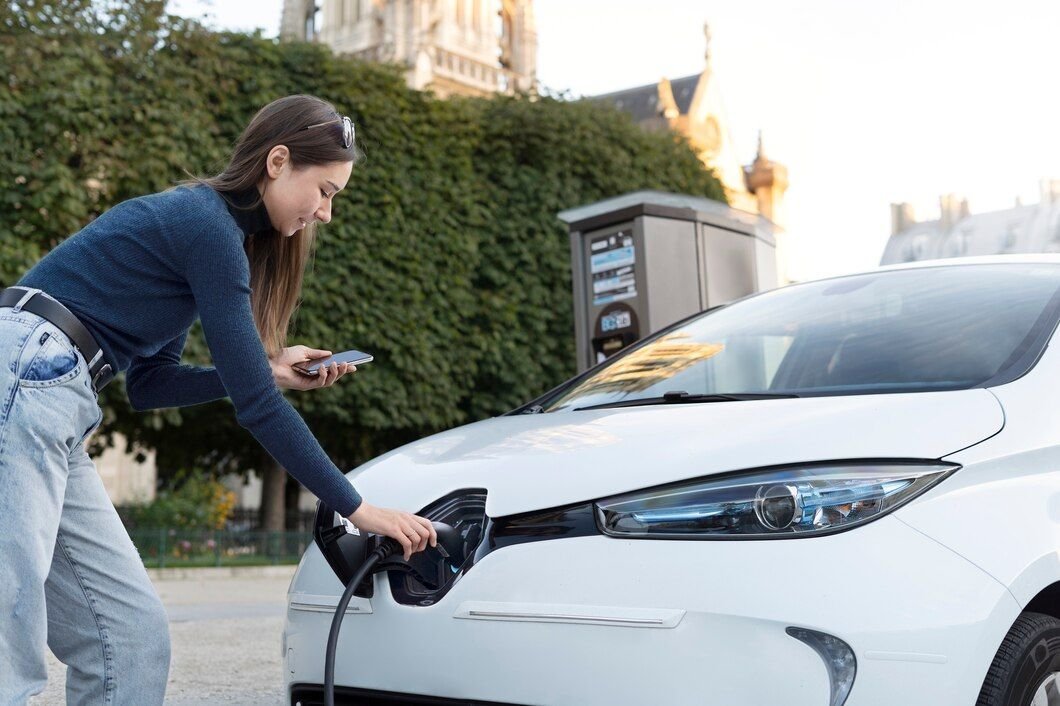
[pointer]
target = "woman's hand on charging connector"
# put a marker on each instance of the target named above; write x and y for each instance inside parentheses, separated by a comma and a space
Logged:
(412, 532)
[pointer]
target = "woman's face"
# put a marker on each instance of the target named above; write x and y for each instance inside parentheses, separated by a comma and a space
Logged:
(295, 198)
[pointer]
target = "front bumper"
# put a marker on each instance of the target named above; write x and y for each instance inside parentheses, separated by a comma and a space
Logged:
(598, 620)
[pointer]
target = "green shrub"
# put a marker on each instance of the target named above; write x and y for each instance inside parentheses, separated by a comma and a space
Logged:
(190, 500)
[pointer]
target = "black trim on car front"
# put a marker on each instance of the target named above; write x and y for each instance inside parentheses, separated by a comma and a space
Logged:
(313, 695)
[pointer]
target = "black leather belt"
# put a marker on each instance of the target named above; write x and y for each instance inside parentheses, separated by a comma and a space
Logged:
(31, 300)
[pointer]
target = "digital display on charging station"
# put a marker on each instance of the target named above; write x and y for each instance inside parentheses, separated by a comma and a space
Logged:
(612, 267)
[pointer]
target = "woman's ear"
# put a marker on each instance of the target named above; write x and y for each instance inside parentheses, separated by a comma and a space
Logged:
(277, 160)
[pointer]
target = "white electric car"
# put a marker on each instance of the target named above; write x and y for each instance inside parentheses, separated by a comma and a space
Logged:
(839, 492)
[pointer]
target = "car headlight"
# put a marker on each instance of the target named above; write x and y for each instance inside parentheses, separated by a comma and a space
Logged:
(786, 502)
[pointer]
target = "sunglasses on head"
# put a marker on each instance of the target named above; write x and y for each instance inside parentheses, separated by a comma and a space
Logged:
(347, 129)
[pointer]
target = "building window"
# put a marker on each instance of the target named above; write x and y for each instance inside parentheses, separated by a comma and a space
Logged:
(314, 18)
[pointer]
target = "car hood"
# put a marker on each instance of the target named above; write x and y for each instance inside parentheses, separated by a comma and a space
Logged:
(532, 462)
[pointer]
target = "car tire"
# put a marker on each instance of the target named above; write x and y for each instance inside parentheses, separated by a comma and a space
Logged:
(1029, 654)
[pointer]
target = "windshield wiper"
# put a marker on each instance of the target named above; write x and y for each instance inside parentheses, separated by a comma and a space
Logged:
(681, 397)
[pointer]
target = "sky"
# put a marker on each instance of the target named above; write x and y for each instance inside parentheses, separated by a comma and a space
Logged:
(866, 103)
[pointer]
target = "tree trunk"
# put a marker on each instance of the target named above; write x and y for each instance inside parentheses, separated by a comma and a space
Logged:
(292, 492)
(273, 482)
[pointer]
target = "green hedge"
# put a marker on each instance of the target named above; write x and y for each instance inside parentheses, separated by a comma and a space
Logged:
(444, 258)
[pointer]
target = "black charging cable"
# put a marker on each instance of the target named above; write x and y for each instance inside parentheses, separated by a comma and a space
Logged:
(386, 548)
(450, 547)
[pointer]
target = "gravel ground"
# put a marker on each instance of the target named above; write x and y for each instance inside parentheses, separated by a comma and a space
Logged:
(225, 626)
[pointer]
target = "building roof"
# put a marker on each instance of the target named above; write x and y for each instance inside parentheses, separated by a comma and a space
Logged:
(642, 102)
(684, 89)
(1023, 229)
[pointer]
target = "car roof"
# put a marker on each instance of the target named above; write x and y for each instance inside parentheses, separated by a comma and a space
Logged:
(1013, 259)
(1020, 258)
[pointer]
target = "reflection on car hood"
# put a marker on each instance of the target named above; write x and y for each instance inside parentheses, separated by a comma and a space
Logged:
(531, 462)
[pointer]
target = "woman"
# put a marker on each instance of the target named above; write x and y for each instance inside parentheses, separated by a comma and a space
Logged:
(120, 295)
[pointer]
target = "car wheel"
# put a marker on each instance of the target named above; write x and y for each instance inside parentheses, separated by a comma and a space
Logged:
(1026, 668)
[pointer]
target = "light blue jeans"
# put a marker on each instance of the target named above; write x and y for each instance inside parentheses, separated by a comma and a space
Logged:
(70, 577)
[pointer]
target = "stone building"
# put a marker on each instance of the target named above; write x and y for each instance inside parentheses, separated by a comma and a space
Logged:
(451, 47)
(128, 481)
(957, 232)
(692, 106)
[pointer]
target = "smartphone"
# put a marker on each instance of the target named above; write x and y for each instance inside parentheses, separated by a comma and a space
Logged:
(351, 357)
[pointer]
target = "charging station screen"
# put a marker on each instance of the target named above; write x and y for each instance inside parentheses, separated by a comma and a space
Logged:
(612, 260)
(615, 321)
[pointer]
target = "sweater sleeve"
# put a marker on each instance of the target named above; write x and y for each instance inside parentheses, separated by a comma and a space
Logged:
(161, 381)
(219, 276)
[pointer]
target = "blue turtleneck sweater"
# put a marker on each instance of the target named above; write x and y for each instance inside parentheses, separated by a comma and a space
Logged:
(139, 275)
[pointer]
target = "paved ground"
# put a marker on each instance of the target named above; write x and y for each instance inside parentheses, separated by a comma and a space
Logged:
(226, 627)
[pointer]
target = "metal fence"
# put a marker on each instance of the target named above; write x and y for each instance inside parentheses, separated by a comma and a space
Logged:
(239, 520)
(160, 548)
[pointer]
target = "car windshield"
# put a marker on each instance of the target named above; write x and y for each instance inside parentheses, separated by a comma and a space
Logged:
(913, 330)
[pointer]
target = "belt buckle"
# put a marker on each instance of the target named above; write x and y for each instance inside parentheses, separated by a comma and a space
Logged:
(104, 370)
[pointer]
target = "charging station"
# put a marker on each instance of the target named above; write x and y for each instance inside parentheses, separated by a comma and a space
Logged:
(646, 259)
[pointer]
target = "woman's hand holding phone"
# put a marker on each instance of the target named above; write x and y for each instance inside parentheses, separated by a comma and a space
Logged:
(287, 375)
(413, 532)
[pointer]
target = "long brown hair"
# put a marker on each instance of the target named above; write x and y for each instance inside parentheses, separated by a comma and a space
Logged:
(277, 263)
